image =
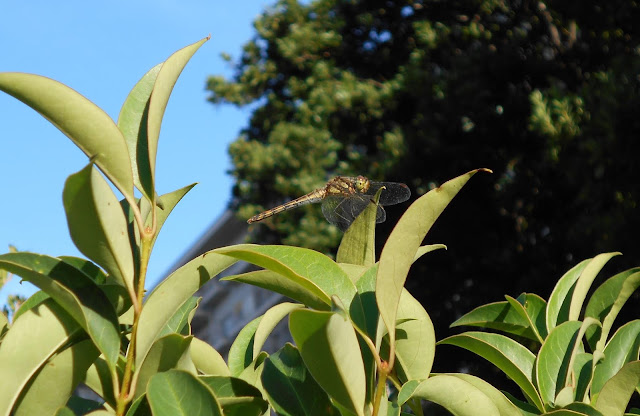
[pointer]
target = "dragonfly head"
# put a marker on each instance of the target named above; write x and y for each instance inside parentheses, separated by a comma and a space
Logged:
(362, 184)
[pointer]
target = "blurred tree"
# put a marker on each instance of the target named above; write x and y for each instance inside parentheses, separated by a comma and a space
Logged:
(546, 94)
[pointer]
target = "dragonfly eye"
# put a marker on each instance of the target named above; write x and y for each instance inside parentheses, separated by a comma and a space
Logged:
(362, 184)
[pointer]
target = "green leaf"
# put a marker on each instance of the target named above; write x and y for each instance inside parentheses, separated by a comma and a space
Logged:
(606, 302)
(501, 316)
(139, 407)
(181, 319)
(176, 392)
(468, 399)
(583, 370)
(290, 388)
(306, 293)
(554, 359)
(97, 224)
(98, 378)
(132, 122)
(236, 396)
(560, 299)
(403, 243)
(164, 207)
(269, 320)
(75, 292)
(90, 128)
(621, 349)
(207, 360)
(165, 80)
(87, 267)
(51, 388)
(358, 245)
(616, 393)
(584, 282)
(34, 337)
(172, 293)
(330, 350)
(168, 352)
(307, 268)
(516, 361)
(415, 339)
(31, 302)
(505, 407)
(241, 351)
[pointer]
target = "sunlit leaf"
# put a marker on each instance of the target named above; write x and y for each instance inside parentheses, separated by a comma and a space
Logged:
(176, 392)
(403, 243)
(90, 128)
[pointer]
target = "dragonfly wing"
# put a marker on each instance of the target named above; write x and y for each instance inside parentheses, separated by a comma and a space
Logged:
(333, 209)
(394, 192)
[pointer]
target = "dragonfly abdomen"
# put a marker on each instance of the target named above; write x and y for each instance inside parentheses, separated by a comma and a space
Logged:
(315, 196)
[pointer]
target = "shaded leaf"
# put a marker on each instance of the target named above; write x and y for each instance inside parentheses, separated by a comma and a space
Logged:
(207, 360)
(290, 388)
(176, 392)
(330, 350)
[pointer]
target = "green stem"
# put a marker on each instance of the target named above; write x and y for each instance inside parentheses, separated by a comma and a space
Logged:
(383, 372)
(127, 388)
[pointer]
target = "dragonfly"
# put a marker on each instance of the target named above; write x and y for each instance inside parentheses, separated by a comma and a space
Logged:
(343, 198)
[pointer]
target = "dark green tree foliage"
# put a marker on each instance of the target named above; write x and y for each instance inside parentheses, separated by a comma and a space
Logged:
(546, 94)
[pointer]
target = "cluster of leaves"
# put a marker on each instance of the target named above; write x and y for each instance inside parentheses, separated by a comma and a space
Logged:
(89, 323)
(543, 93)
(545, 348)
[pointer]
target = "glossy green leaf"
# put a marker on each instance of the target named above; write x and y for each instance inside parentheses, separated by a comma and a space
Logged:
(516, 361)
(172, 293)
(236, 396)
(64, 411)
(583, 372)
(90, 128)
(554, 358)
(308, 294)
(75, 292)
(560, 299)
(415, 339)
(403, 243)
(54, 383)
(358, 245)
(34, 337)
(616, 393)
(132, 122)
(330, 350)
(468, 399)
(168, 352)
(290, 388)
(584, 282)
(621, 349)
(97, 224)
(606, 302)
(505, 407)
(207, 360)
(270, 319)
(178, 393)
(307, 268)
(531, 308)
(241, 350)
(252, 373)
(500, 316)
(581, 409)
(166, 204)
(165, 80)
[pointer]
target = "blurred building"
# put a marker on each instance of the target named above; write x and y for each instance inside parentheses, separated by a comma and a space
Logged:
(226, 307)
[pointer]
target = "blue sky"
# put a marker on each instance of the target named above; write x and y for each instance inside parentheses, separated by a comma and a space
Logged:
(101, 49)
